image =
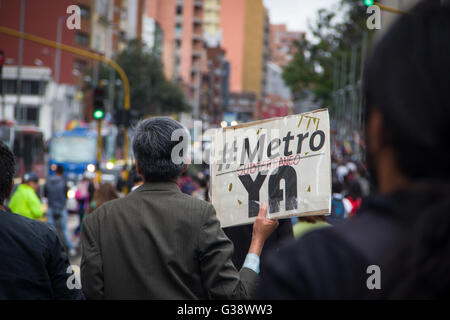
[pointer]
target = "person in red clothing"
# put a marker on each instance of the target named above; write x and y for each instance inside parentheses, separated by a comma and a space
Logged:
(355, 197)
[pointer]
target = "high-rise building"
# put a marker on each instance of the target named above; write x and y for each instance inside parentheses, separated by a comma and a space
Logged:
(181, 24)
(242, 24)
(215, 92)
(282, 44)
(211, 23)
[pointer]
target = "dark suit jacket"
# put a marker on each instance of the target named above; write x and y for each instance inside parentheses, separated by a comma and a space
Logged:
(158, 243)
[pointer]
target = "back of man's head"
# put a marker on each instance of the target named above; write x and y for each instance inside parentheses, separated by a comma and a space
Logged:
(152, 148)
(8, 165)
(407, 80)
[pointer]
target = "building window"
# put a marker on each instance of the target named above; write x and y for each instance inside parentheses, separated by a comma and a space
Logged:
(179, 10)
(27, 115)
(84, 11)
(102, 7)
(10, 86)
(31, 87)
(82, 39)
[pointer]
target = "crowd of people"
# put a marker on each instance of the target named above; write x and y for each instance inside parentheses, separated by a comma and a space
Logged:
(161, 243)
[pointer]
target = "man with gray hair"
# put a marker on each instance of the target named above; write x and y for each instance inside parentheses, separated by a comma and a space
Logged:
(158, 243)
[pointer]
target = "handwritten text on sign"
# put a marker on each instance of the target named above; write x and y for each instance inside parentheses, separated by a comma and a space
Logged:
(284, 162)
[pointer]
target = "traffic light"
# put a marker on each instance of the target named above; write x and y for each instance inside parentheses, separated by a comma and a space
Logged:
(99, 104)
(369, 3)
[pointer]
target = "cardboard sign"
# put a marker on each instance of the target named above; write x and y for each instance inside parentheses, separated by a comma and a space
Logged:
(283, 162)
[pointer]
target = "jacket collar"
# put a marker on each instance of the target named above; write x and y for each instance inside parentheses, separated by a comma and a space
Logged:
(159, 186)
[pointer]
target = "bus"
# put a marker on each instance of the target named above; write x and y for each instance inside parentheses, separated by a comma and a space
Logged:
(76, 151)
(27, 144)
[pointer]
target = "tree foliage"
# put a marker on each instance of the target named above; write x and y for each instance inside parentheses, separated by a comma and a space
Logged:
(319, 60)
(151, 92)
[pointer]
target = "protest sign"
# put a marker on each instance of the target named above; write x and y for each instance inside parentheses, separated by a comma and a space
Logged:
(283, 162)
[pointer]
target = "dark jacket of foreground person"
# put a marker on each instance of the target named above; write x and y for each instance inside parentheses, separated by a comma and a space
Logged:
(158, 243)
(333, 263)
(33, 263)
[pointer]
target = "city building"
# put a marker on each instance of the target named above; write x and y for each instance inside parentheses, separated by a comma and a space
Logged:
(215, 90)
(43, 85)
(242, 107)
(275, 84)
(183, 54)
(282, 44)
(242, 24)
(152, 36)
(212, 33)
(274, 106)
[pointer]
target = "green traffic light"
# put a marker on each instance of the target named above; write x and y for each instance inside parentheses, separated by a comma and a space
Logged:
(98, 114)
(369, 3)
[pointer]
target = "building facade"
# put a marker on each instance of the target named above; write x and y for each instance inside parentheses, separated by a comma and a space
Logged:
(183, 54)
(242, 25)
(215, 91)
(212, 33)
(282, 44)
(43, 85)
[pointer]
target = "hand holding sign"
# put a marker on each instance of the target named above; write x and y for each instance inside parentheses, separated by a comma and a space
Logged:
(262, 229)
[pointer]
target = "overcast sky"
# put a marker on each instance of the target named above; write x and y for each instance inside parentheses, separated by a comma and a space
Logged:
(295, 13)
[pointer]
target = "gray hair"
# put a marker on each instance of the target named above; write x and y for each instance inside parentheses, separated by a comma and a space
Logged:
(152, 148)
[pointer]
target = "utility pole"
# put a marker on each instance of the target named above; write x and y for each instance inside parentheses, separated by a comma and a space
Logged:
(2, 92)
(363, 62)
(19, 63)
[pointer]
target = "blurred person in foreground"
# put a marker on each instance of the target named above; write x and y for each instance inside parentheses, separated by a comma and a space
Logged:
(159, 243)
(25, 200)
(55, 190)
(33, 262)
(405, 228)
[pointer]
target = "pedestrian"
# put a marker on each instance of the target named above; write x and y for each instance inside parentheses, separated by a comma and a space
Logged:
(187, 184)
(354, 196)
(25, 200)
(55, 190)
(34, 264)
(397, 245)
(105, 193)
(83, 195)
(308, 224)
(340, 205)
(136, 179)
(159, 243)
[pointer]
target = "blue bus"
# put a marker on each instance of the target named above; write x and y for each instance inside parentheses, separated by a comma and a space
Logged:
(75, 150)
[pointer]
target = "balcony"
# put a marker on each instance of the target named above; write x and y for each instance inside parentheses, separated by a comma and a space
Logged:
(197, 37)
(198, 3)
(196, 53)
(197, 20)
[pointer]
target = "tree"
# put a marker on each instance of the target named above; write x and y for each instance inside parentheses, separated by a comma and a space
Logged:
(150, 91)
(317, 65)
